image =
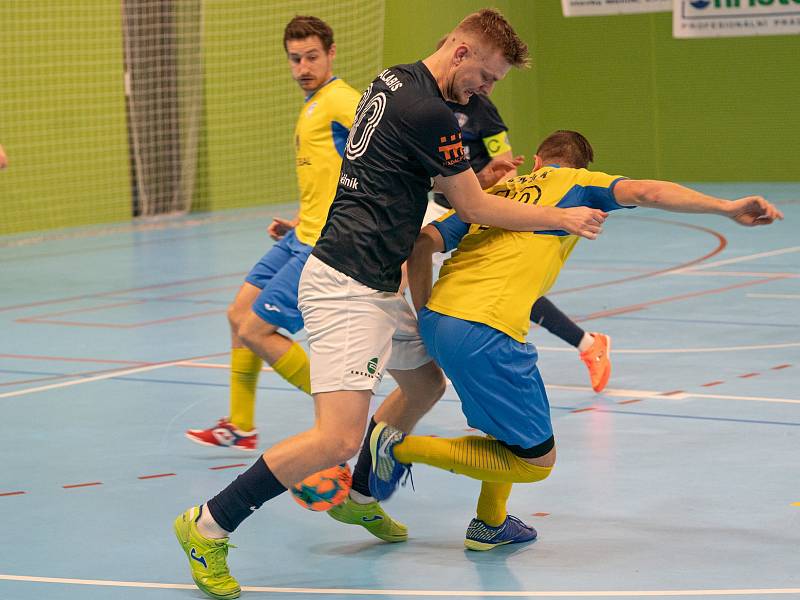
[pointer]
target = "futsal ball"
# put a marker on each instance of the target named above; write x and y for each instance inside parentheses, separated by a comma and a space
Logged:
(325, 489)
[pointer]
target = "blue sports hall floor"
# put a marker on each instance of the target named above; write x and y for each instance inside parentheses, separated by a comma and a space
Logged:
(681, 480)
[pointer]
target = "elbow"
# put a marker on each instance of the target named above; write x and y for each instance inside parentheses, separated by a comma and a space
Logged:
(637, 193)
(468, 213)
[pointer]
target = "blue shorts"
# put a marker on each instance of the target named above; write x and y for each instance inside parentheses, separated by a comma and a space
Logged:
(496, 377)
(278, 274)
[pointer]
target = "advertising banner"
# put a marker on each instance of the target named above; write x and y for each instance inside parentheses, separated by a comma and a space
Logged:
(585, 8)
(734, 18)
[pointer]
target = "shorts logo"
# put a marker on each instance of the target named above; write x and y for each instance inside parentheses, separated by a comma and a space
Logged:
(451, 149)
(271, 307)
(371, 370)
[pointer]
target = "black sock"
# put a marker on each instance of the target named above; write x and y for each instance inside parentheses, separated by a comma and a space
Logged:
(364, 464)
(245, 494)
(556, 322)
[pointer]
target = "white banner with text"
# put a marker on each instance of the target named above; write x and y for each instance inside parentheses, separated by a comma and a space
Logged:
(586, 8)
(734, 18)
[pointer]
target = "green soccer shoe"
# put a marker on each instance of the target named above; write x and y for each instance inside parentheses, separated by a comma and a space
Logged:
(207, 557)
(372, 518)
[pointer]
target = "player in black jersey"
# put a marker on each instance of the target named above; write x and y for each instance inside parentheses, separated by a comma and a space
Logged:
(402, 136)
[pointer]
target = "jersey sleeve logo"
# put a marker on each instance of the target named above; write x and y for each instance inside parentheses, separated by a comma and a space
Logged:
(451, 149)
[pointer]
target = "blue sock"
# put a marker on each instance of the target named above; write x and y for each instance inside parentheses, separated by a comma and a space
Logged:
(245, 494)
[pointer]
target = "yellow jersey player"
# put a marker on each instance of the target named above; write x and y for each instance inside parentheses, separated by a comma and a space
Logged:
(475, 321)
(268, 298)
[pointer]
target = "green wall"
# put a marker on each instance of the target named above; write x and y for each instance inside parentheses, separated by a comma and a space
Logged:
(252, 102)
(62, 115)
(653, 107)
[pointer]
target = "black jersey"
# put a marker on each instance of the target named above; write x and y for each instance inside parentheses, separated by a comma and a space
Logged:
(478, 120)
(481, 126)
(403, 135)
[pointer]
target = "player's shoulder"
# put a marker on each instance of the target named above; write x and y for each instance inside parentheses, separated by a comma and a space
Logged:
(340, 91)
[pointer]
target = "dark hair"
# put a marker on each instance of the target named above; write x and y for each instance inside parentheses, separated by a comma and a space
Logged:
(301, 28)
(567, 148)
(491, 26)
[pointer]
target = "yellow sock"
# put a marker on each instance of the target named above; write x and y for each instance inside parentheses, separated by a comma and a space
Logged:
(245, 367)
(492, 502)
(295, 368)
(477, 457)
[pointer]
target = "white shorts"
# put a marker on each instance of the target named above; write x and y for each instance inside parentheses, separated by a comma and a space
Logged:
(433, 212)
(355, 332)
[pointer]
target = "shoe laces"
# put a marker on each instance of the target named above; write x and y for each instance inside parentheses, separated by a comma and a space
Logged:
(216, 556)
(516, 521)
(408, 477)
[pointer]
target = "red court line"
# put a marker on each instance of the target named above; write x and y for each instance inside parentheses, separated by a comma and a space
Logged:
(198, 292)
(629, 401)
(722, 243)
(72, 359)
(749, 375)
(712, 383)
(11, 493)
(540, 514)
(79, 485)
(672, 393)
(123, 291)
(637, 307)
(579, 410)
(156, 476)
(781, 367)
(73, 311)
(227, 467)
(38, 320)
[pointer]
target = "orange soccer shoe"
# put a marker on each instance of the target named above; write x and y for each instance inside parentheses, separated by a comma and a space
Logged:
(598, 361)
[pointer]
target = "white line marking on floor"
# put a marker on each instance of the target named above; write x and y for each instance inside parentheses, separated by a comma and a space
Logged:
(82, 380)
(421, 593)
(622, 393)
(738, 259)
(681, 350)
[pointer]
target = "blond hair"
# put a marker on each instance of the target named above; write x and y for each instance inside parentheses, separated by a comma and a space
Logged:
(491, 27)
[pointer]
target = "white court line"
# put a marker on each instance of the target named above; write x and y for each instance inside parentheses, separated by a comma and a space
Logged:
(621, 393)
(777, 296)
(681, 350)
(738, 259)
(82, 380)
(420, 593)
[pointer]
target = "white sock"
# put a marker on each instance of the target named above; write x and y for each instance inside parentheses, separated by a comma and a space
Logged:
(208, 527)
(586, 342)
(360, 498)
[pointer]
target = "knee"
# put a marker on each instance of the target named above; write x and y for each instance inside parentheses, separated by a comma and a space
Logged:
(435, 387)
(342, 448)
(235, 317)
(547, 461)
(249, 329)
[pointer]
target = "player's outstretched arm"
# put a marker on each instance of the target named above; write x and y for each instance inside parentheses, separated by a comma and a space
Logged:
(420, 265)
(748, 211)
(473, 205)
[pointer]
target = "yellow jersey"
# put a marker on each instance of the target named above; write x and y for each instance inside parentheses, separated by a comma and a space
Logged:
(320, 138)
(495, 276)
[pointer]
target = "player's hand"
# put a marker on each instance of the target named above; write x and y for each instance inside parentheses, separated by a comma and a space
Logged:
(498, 169)
(3, 158)
(753, 210)
(583, 221)
(280, 227)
